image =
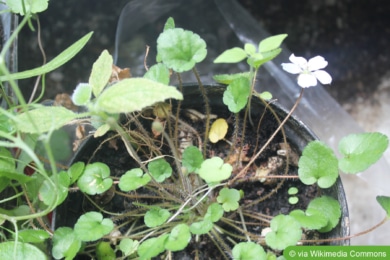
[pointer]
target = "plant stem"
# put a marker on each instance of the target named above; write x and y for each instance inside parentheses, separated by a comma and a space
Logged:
(242, 172)
(208, 111)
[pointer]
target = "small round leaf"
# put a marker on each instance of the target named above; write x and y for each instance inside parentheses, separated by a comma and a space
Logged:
(91, 226)
(95, 179)
(152, 247)
(133, 179)
(218, 130)
(65, 243)
(229, 199)
(285, 231)
(361, 151)
(319, 164)
(248, 250)
(192, 159)
(180, 49)
(160, 169)
(329, 208)
(156, 217)
(236, 94)
(215, 170)
(179, 238)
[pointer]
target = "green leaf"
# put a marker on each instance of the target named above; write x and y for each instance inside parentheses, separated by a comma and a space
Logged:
(128, 246)
(179, 238)
(360, 151)
(91, 226)
(384, 201)
(95, 179)
(152, 247)
(8, 250)
(233, 55)
(293, 200)
(47, 190)
(218, 130)
(160, 169)
(33, 236)
(271, 43)
(265, 95)
(44, 119)
(285, 231)
(292, 191)
(169, 24)
(201, 227)
(228, 78)
(156, 216)
(158, 72)
(192, 159)
(329, 208)
(102, 130)
(65, 243)
(134, 94)
(33, 6)
(259, 59)
(214, 170)
(248, 250)
(58, 61)
(319, 164)
(101, 73)
(311, 219)
(214, 212)
(229, 199)
(75, 171)
(180, 49)
(104, 251)
(133, 179)
(236, 94)
(82, 94)
(249, 48)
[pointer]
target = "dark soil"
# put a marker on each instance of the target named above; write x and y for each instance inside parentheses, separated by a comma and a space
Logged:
(256, 193)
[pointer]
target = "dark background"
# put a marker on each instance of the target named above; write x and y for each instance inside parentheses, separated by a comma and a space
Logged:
(352, 35)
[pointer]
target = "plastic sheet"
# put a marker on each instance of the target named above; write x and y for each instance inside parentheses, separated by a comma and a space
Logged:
(225, 24)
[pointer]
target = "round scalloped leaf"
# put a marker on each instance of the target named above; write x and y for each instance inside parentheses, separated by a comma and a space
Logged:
(201, 227)
(218, 130)
(33, 236)
(152, 247)
(134, 94)
(248, 250)
(82, 94)
(214, 212)
(133, 179)
(128, 246)
(33, 6)
(192, 159)
(65, 243)
(285, 231)
(158, 72)
(104, 251)
(384, 201)
(180, 49)
(156, 216)
(311, 219)
(160, 169)
(329, 208)
(92, 226)
(229, 199)
(8, 250)
(319, 164)
(236, 94)
(214, 170)
(179, 238)
(95, 179)
(360, 151)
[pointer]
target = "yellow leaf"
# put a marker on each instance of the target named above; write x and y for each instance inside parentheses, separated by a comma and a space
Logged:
(218, 130)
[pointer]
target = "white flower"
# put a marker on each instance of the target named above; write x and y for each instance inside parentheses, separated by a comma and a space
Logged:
(309, 71)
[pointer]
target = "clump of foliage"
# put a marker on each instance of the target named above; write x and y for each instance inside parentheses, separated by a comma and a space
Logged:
(193, 194)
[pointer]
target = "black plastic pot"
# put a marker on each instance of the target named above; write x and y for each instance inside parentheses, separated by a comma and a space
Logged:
(298, 135)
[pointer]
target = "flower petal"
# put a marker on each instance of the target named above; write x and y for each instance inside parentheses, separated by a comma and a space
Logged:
(323, 76)
(317, 63)
(299, 61)
(291, 68)
(307, 80)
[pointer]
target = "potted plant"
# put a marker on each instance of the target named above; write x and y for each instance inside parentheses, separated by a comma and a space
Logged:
(206, 169)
